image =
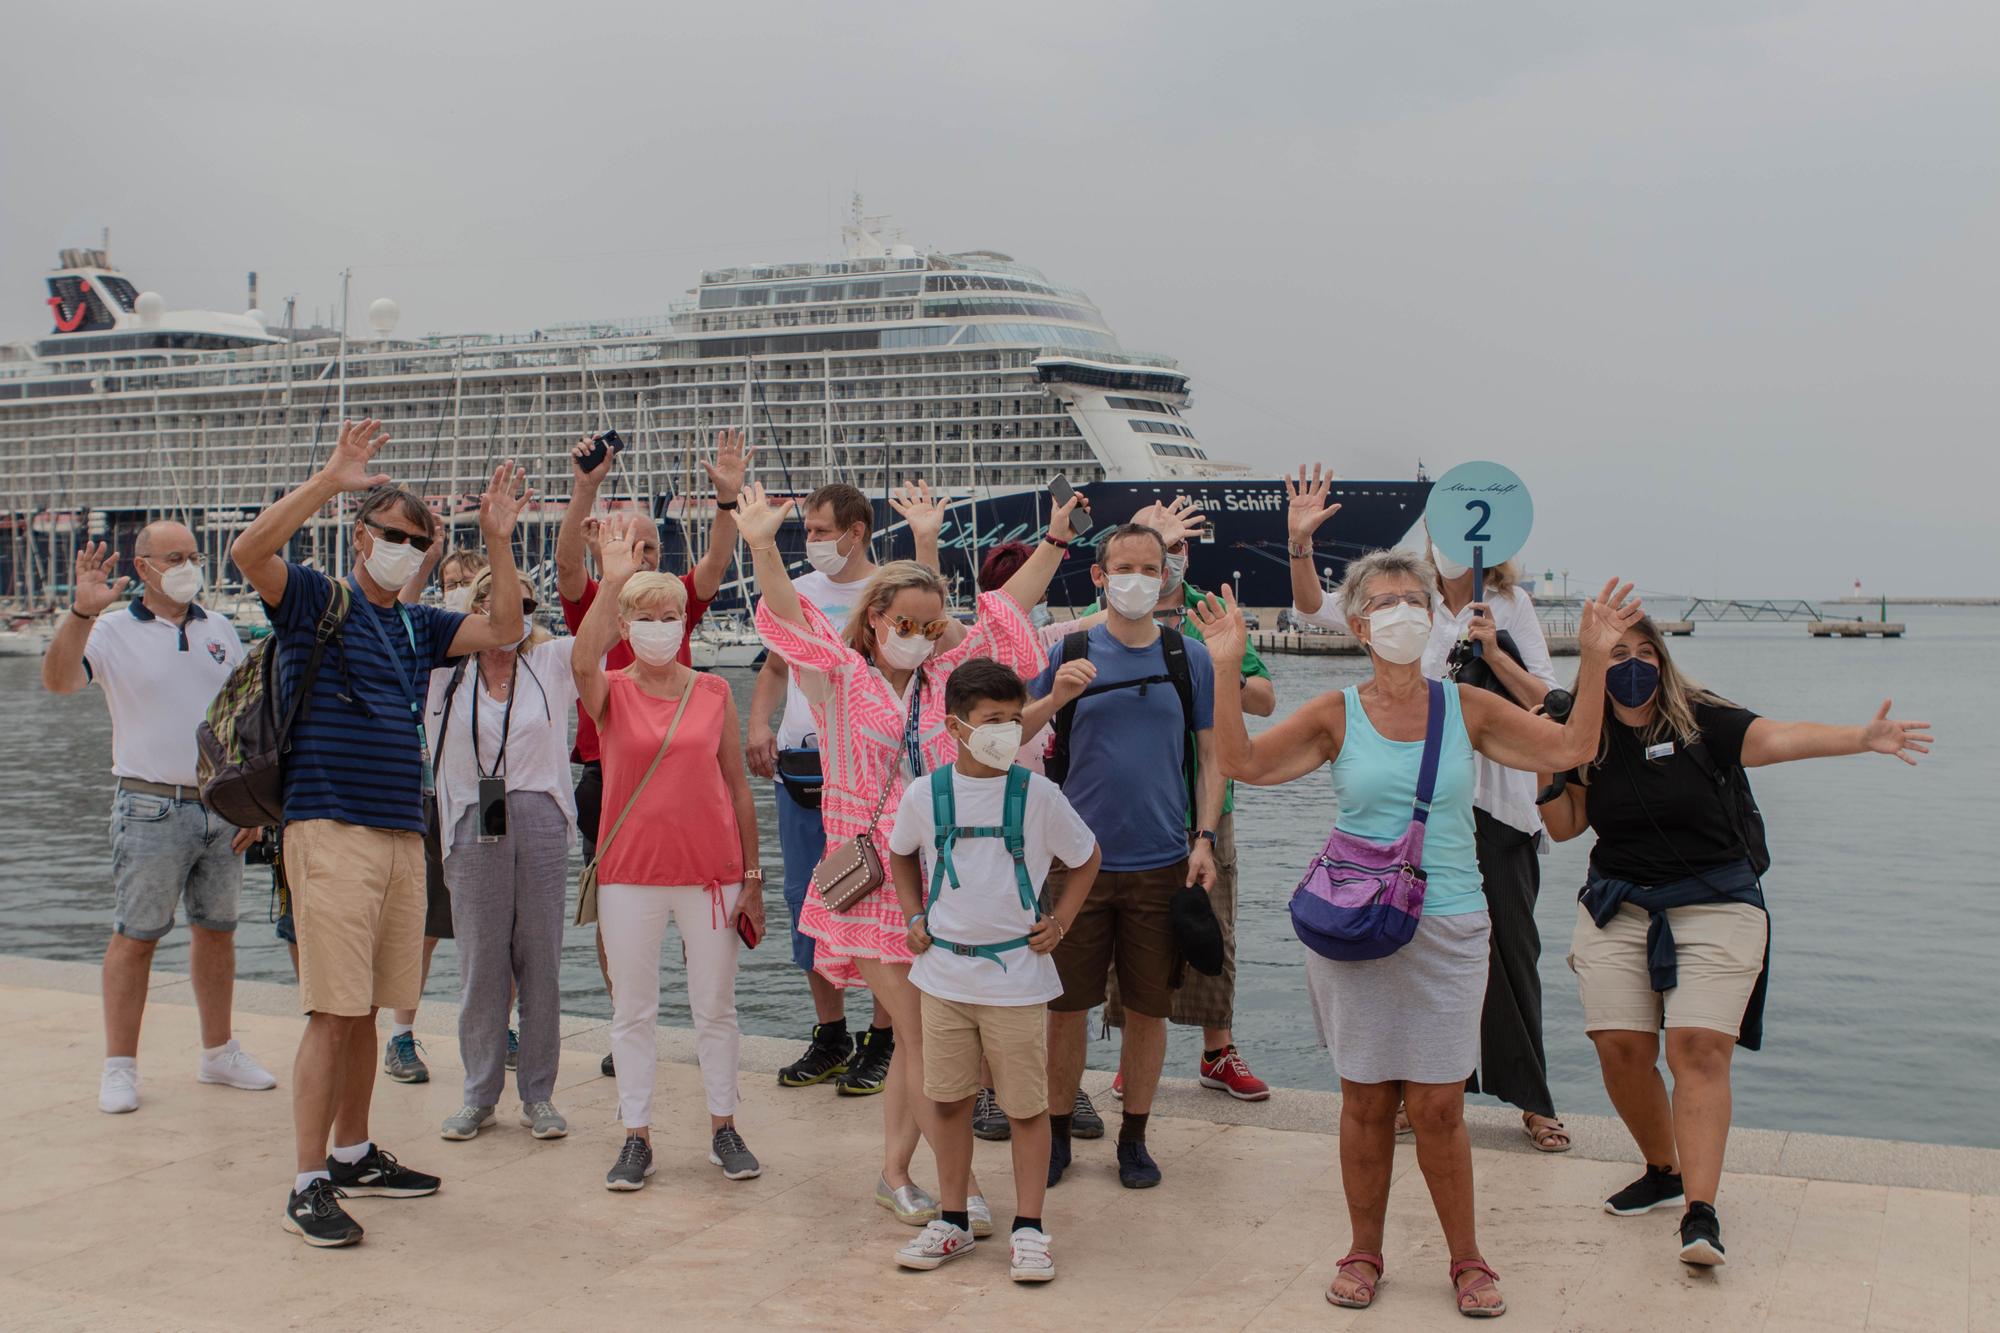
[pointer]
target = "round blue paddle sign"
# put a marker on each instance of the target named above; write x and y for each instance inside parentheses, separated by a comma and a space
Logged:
(1480, 505)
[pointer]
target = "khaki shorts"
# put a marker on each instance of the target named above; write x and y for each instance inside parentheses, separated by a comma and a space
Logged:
(1719, 949)
(358, 909)
(1127, 923)
(1012, 1037)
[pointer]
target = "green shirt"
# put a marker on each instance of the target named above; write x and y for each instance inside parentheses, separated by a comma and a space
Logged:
(1253, 665)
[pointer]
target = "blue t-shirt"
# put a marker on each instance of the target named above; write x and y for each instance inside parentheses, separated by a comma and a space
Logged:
(1375, 781)
(1125, 751)
(359, 762)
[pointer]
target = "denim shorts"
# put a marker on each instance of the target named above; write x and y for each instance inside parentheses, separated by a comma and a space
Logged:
(802, 839)
(165, 852)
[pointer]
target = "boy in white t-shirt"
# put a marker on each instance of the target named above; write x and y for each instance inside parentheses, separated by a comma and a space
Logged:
(983, 948)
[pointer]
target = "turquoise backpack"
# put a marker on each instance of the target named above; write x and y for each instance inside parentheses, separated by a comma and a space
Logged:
(944, 815)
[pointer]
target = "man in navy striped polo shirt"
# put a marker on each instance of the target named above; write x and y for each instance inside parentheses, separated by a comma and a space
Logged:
(354, 781)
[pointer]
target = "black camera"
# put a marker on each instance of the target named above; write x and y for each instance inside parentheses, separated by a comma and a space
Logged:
(264, 851)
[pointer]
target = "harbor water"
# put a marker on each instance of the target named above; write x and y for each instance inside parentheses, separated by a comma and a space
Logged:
(1884, 1016)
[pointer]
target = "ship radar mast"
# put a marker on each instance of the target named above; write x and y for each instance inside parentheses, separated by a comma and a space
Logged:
(873, 237)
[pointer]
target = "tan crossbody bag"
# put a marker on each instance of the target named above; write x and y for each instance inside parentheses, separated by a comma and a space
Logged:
(586, 883)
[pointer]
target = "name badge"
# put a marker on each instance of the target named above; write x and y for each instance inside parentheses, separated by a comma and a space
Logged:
(1664, 750)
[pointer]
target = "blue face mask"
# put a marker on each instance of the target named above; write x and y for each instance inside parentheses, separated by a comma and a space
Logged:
(1632, 682)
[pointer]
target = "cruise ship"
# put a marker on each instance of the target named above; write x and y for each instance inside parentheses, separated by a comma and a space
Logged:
(968, 370)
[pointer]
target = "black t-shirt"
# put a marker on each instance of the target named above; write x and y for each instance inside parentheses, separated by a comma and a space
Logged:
(1661, 819)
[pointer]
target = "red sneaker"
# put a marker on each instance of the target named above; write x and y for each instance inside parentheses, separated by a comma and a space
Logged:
(1228, 1073)
(1118, 1085)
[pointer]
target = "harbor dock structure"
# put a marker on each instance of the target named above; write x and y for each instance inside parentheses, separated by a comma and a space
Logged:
(1334, 643)
(168, 1218)
(1855, 629)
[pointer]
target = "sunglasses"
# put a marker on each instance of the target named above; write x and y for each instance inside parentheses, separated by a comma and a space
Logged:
(398, 538)
(904, 626)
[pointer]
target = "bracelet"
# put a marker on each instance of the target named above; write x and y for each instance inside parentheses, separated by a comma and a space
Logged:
(1062, 931)
(756, 873)
(80, 615)
(730, 505)
(1057, 542)
(1299, 551)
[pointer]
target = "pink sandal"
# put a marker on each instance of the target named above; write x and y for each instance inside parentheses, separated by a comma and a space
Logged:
(1367, 1296)
(1487, 1280)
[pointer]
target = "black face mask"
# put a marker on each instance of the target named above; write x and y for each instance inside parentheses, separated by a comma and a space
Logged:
(1632, 682)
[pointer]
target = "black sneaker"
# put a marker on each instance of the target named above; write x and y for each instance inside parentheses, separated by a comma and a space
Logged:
(634, 1164)
(1701, 1236)
(315, 1215)
(989, 1122)
(1058, 1157)
(607, 1066)
(1660, 1187)
(513, 1049)
(1084, 1121)
(1136, 1168)
(869, 1070)
(380, 1175)
(825, 1057)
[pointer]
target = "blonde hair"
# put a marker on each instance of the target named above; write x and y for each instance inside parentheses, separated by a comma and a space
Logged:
(1673, 705)
(650, 590)
(1353, 589)
(897, 576)
(482, 588)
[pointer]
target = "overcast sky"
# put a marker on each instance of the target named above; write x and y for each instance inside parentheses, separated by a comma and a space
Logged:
(1719, 280)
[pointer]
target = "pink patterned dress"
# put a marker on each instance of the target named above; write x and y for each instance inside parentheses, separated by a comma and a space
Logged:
(861, 727)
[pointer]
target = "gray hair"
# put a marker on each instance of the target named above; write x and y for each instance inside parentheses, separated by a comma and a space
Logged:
(1353, 589)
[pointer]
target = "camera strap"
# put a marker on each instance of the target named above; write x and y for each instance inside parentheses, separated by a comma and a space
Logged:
(506, 720)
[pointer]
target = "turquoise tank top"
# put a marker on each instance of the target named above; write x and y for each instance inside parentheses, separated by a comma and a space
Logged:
(1375, 781)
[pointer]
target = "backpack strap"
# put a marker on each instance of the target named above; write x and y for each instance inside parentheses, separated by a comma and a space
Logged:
(1014, 829)
(944, 833)
(1075, 648)
(331, 617)
(1173, 647)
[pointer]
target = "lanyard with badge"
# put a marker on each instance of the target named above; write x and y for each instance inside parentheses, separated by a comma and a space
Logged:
(403, 677)
(493, 786)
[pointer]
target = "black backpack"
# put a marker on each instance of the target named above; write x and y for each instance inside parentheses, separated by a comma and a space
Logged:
(1076, 648)
(1733, 785)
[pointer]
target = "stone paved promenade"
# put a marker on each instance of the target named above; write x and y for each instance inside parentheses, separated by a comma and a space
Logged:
(168, 1219)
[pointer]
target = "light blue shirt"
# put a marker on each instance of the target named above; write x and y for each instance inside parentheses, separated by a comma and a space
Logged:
(1375, 781)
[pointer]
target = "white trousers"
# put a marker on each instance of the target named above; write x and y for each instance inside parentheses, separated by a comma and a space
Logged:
(633, 921)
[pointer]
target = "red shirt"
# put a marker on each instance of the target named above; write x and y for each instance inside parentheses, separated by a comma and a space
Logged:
(683, 831)
(620, 656)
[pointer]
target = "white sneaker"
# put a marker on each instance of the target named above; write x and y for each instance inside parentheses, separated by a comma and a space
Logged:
(1031, 1259)
(118, 1089)
(938, 1242)
(235, 1067)
(981, 1217)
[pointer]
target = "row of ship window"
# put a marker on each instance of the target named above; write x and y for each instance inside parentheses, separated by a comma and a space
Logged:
(864, 289)
(1160, 428)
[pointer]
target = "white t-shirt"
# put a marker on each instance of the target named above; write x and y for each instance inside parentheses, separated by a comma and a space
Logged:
(1508, 794)
(158, 679)
(837, 600)
(537, 737)
(986, 908)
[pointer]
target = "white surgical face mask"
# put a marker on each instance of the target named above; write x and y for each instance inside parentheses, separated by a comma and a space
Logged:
(458, 599)
(182, 583)
(1176, 569)
(826, 557)
(391, 564)
(904, 653)
(994, 744)
(1446, 566)
(1132, 596)
(1398, 633)
(656, 642)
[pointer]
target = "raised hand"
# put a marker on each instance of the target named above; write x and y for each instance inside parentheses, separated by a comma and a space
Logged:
(1072, 679)
(1607, 616)
(1886, 735)
(501, 503)
(95, 589)
(1221, 623)
(1060, 526)
(347, 466)
(757, 518)
(731, 462)
(1176, 522)
(1306, 507)
(579, 451)
(618, 547)
(923, 512)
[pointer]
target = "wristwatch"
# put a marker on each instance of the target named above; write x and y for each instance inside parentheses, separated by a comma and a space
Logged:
(725, 504)
(755, 872)
(1208, 835)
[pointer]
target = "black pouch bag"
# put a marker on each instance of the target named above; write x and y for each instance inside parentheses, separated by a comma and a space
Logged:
(800, 774)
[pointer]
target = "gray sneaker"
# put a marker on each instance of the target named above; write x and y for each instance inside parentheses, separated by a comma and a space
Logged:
(466, 1122)
(728, 1151)
(543, 1120)
(988, 1121)
(401, 1061)
(634, 1164)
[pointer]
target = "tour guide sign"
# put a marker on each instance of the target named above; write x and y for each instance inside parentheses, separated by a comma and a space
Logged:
(1479, 514)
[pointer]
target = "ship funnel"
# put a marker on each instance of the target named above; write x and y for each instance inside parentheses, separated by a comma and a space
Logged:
(151, 307)
(382, 316)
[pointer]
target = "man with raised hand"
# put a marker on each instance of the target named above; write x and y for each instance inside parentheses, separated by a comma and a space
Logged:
(355, 776)
(159, 660)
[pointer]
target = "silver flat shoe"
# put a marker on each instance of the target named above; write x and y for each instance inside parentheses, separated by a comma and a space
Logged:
(979, 1215)
(909, 1203)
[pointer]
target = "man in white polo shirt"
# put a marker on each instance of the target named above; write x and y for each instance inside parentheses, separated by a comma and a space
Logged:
(159, 659)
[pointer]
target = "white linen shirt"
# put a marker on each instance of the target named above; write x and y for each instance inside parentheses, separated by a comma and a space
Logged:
(538, 739)
(158, 679)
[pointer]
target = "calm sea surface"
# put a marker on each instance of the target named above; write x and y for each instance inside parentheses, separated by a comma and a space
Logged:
(1885, 896)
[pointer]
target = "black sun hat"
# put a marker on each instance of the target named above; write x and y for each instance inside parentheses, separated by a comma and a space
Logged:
(1197, 933)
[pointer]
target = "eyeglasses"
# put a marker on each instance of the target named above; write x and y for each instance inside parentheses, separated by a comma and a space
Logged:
(172, 560)
(396, 537)
(1386, 600)
(904, 626)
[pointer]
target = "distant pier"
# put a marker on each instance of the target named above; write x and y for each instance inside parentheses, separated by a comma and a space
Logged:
(1333, 643)
(1855, 629)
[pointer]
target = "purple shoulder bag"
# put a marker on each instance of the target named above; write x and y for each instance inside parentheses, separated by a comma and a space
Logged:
(1362, 899)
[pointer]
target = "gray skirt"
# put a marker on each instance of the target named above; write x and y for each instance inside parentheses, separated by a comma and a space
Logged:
(1413, 1016)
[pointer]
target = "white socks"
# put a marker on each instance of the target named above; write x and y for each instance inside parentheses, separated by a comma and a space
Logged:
(217, 1052)
(349, 1156)
(398, 1029)
(121, 1062)
(308, 1177)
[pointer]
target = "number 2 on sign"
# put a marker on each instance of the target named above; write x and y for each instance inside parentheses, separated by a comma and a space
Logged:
(1477, 532)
